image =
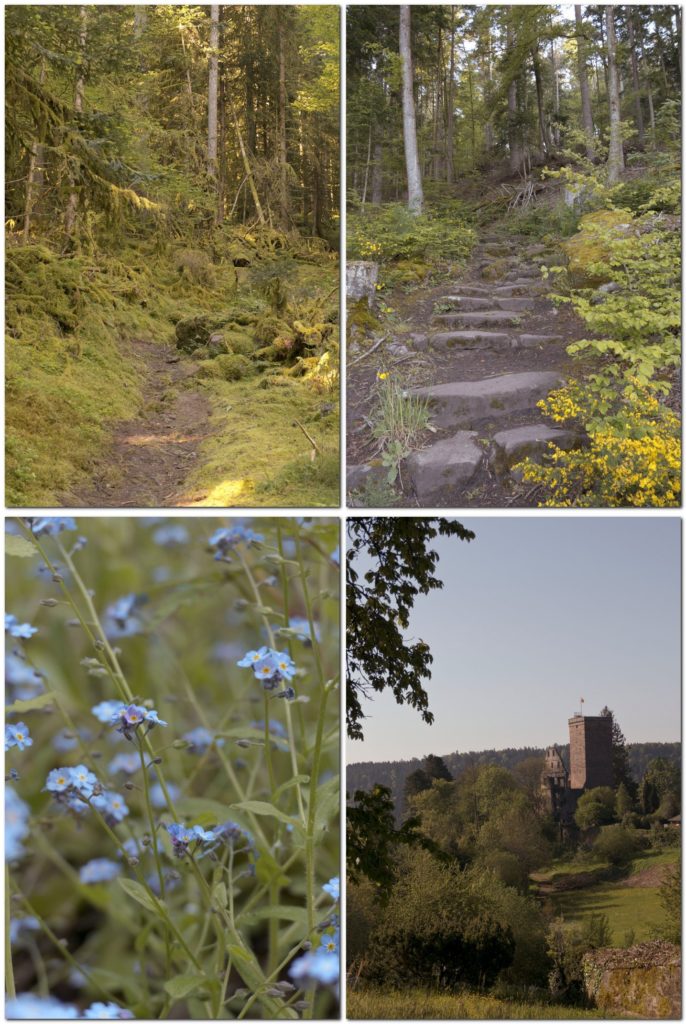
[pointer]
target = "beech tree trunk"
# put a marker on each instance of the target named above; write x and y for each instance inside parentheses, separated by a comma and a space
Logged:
(415, 195)
(586, 111)
(615, 159)
(450, 113)
(79, 91)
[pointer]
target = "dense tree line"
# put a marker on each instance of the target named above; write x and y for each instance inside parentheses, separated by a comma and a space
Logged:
(185, 115)
(442, 92)
(364, 775)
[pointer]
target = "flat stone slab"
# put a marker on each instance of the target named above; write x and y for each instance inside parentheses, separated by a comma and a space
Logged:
(446, 465)
(515, 305)
(466, 403)
(484, 319)
(528, 273)
(475, 290)
(535, 340)
(489, 340)
(511, 446)
(466, 302)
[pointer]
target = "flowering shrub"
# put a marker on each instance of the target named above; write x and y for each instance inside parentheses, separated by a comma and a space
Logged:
(172, 788)
(633, 455)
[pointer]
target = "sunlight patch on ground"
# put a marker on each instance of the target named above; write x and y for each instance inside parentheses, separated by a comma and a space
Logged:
(224, 495)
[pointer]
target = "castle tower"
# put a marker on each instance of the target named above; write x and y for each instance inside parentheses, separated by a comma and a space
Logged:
(590, 752)
(554, 782)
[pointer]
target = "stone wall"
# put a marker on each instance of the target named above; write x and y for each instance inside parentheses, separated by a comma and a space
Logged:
(643, 981)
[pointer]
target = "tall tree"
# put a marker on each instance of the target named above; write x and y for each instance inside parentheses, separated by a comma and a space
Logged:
(213, 103)
(415, 194)
(615, 158)
(582, 72)
(79, 92)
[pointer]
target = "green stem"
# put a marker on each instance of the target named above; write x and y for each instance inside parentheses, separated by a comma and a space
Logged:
(9, 967)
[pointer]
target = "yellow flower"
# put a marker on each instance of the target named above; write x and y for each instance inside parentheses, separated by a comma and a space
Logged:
(381, 376)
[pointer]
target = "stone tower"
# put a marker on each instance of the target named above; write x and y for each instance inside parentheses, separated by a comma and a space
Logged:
(590, 752)
(554, 782)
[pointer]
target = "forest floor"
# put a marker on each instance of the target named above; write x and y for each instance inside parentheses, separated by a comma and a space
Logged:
(103, 409)
(483, 347)
(147, 463)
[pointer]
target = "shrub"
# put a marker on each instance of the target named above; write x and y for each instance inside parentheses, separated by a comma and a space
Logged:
(616, 844)
(391, 233)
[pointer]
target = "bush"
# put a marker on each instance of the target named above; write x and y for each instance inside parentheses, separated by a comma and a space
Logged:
(616, 844)
(391, 233)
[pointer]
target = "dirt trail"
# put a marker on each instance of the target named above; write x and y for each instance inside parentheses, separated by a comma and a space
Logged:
(150, 458)
(483, 349)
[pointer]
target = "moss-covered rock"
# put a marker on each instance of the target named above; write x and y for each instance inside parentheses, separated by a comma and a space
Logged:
(588, 250)
(226, 367)
(269, 327)
(643, 981)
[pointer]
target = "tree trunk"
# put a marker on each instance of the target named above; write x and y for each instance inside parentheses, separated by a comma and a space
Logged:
(450, 113)
(34, 177)
(213, 96)
(79, 90)
(635, 81)
(284, 204)
(586, 112)
(615, 159)
(513, 129)
(556, 93)
(546, 143)
(377, 174)
(415, 195)
(367, 166)
(246, 164)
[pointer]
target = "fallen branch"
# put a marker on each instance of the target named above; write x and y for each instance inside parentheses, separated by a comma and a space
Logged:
(369, 351)
(308, 436)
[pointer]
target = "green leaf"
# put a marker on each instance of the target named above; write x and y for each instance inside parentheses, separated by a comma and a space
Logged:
(298, 915)
(20, 706)
(139, 893)
(182, 984)
(19, 546)
(219, 895)
(268, 811)
(301, 780)
(328, 803)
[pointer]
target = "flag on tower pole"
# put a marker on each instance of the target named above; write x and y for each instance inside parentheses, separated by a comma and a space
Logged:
(581, 710)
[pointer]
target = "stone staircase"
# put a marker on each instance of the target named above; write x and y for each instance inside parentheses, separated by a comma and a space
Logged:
(486, 425)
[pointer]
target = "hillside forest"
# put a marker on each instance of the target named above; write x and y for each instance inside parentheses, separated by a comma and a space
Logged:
(471, 900)
(172, 255)
(514, 197)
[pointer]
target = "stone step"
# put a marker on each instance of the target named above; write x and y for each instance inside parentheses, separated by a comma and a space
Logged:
(473, 290)
(531, 441)
(469, 304)
(466, 302)
(486, 318)
(514, 288)
(467, 403)
(526, 273)
(514, 305)
(491, 340)
(446, 465)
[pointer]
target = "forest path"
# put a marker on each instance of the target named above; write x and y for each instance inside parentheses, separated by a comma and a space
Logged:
(149, 458)
(483, 349)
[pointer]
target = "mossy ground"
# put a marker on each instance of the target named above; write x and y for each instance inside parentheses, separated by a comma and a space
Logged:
(71, 373)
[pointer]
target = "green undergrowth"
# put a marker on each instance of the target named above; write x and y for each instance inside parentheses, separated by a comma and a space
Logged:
(71, 371)
(418, 1004)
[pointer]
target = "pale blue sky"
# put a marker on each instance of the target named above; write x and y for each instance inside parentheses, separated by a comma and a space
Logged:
(536, 613)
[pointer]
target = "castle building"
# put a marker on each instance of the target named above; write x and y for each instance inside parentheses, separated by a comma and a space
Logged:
(590, 765)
